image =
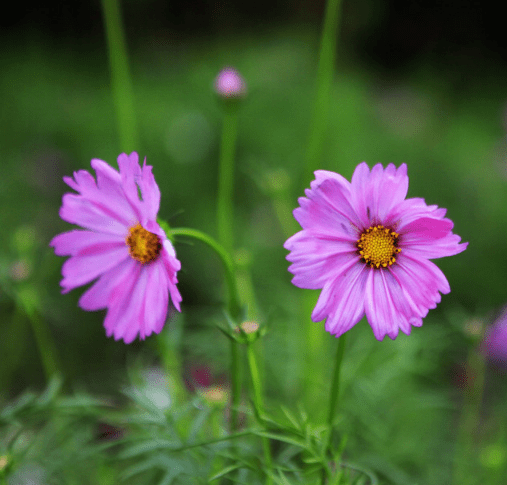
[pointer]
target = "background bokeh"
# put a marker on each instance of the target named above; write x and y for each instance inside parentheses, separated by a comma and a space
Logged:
(416, 82)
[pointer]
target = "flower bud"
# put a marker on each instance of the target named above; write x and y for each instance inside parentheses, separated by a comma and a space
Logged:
(229, 84)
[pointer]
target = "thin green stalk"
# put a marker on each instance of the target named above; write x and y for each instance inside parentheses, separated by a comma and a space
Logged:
(235, 384)
(334, 393)
(168, 348)
(259, 403)
(325, 71)
(318, 130)
(313, 346)
(26, 300)
(225, 222)
(465, 459)
(225, 215)
(233, 307)
(121, 83)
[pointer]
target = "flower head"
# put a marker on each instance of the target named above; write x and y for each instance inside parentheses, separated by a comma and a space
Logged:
(368, 248)
(122, 245)
(229, 83)
(494, 344)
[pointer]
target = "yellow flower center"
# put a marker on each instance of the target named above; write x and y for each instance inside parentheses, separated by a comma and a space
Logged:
(378, 246)
(144, 246)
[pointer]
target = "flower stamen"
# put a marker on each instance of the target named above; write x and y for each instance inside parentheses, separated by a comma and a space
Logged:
(144, 246)
(378, 246)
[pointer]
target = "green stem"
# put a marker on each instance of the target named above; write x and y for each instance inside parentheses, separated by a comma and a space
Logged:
(335, 383)
(325, 71)
(314, 339)
(259, 404)
(168, 344)
(45, 343)
(233, 306)
(312, 348)
(225, 222)
(225, 212)
(334, 394)
(121, 83)
(234, 310)
(235, 384)
(465, 460)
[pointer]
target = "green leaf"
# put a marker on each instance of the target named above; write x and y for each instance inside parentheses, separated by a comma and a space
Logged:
(291, 417)
(281, 437)
(225, 471)
(148, 447)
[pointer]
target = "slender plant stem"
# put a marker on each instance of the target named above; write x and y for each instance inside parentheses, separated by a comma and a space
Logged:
(465, 459)
(334, 393)
(168, 346)
(121, 83)
(235, 384)
(45, 343)
(312, 349)
(259, 404)
(234, 309)
(314, 339)
(225, 214)
(335, 383)
(233, 304)
(225, 222)
(325, 70)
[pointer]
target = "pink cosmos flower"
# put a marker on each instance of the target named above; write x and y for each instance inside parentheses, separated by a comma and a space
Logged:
(368, 249)
(122, 245)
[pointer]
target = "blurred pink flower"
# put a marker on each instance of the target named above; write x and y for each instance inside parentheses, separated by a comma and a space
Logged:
(229, 83)
(368, 249)
(494, 344)
(122, 246)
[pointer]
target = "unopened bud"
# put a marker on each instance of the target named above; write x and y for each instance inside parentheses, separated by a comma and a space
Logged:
(229, 84)
(249, 327)
(215, 395)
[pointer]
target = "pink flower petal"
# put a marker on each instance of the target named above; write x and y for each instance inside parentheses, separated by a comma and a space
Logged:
(342, 300)
(426, 269)
(327, 210)
(106, 196)
(98, 296)
(80, 270)
(154, 311)
(149, 191)
(439, 248)
(410, 210)
(321, 175)
(379, 306)
(315, 258)
(125, 303)
(375, 193)
(86, 213)
(130, 174)
(171, 266)
(85, 242)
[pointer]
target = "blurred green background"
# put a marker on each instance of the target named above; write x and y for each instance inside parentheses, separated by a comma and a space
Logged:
(416, 83)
